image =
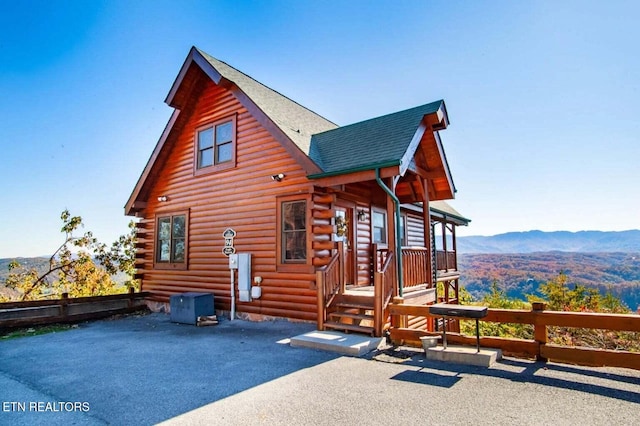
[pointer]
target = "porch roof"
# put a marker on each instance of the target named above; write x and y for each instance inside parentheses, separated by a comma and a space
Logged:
(368, 144)
(440, 210)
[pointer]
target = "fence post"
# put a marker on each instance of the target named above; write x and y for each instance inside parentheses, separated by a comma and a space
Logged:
(539, 330)
(63, 305)
(399, 321)
(131, 297)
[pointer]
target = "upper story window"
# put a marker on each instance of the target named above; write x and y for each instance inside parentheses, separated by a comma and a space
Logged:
(215, 146)
(171, 241)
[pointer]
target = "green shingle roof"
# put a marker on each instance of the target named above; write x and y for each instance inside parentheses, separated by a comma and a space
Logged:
(380, 141)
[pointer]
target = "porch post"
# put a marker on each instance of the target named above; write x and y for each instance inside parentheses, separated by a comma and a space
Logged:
(444, 244)
(426, 218)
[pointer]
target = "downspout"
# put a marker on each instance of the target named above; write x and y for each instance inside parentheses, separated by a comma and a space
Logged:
(396, 202)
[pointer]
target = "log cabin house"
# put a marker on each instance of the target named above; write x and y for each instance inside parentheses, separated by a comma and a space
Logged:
(333, 218)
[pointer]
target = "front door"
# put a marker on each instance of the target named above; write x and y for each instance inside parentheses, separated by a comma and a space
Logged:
(345, 227)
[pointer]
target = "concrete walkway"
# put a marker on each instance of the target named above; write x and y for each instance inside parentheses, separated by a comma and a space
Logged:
(146, 370)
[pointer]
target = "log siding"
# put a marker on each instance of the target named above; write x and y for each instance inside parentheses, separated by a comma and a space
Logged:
(220, 200)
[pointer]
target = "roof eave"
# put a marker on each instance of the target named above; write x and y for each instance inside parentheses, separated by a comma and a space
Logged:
(130, 207)
(364, 168)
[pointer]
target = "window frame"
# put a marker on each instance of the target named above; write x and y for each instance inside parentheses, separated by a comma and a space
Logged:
(384, 234)
(282, 265)
(157, 264)
(404, 236)
(215, 166)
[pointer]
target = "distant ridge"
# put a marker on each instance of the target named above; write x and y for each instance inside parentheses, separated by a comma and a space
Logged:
(540, 241)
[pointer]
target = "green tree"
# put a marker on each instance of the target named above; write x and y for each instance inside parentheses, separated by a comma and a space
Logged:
(497, 299)
(72, 268)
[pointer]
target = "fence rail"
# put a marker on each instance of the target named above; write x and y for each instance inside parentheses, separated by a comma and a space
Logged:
(66, 310)
(539, 346)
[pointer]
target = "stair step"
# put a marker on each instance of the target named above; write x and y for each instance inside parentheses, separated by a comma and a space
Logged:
(349, 305)
(350, 315)
(349, 327)
(353, 299)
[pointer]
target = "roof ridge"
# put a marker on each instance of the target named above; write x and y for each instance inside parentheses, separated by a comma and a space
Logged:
(357, 123)
(209, 57)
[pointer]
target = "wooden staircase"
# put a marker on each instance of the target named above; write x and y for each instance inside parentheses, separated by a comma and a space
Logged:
(351, 313)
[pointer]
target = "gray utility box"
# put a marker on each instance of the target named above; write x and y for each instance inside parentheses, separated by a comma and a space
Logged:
(187, 307)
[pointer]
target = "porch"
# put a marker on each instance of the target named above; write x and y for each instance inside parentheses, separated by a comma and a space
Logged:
(365, 309)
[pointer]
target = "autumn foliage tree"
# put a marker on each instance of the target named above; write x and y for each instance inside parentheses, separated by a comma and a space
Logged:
(559, 294)
(81, 266)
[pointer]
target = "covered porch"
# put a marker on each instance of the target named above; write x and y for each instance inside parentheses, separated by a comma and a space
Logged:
(378, 216)
(428, 276)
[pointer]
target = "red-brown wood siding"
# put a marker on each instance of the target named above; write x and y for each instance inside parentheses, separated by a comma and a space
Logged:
(242, 198)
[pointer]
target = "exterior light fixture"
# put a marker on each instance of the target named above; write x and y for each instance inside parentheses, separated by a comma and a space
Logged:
(163, 198)
(362, 216)
(278, 177)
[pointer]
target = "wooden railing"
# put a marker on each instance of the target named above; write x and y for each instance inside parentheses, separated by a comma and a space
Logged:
(329, 284)
(383, 285)
(446, 261)
(67, 310)
(539, 346)
(415, 266)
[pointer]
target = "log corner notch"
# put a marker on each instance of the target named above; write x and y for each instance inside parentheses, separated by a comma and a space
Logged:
(322, 213)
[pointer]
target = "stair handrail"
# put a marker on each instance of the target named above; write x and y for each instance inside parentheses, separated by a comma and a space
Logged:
(383, 284)
(329, 284)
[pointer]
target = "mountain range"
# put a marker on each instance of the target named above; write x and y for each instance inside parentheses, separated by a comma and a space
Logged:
(540, 241)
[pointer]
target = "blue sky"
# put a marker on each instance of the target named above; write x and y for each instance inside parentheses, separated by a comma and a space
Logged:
(543, 98)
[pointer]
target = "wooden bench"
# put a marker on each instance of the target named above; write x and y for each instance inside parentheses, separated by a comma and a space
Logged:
(459, 311)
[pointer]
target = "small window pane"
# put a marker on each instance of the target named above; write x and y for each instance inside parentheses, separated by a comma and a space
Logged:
(164, 228)
(378, 219)
(205, 158)
(294, 215)
(223, 132)
(205, 139)
(178, 251)
(178, 226)
(165, 250)
(295, 246)
(225, 152)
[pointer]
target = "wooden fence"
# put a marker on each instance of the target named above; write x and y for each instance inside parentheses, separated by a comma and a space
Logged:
(67, 310)
(539, 347)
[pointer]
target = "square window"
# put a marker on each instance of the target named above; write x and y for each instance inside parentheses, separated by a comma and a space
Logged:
(171, 240)
(215, 145)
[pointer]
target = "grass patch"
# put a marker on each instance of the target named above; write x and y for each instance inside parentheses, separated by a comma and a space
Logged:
(35, 331)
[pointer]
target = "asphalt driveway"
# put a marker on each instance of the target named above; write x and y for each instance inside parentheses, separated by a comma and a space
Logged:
(144, 370)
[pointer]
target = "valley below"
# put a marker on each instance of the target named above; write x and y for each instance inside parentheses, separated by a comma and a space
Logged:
(520, 274)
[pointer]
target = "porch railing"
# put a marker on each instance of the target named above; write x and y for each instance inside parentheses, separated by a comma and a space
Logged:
(383, 285)
(329, 282)
(446, 260)
(415, 269)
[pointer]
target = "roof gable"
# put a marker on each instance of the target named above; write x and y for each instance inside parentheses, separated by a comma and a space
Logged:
(295, 121)
(289, 122)
(382, 140)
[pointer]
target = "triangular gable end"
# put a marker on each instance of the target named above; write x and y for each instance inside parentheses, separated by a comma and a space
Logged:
(289, 123)
(397, 143)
